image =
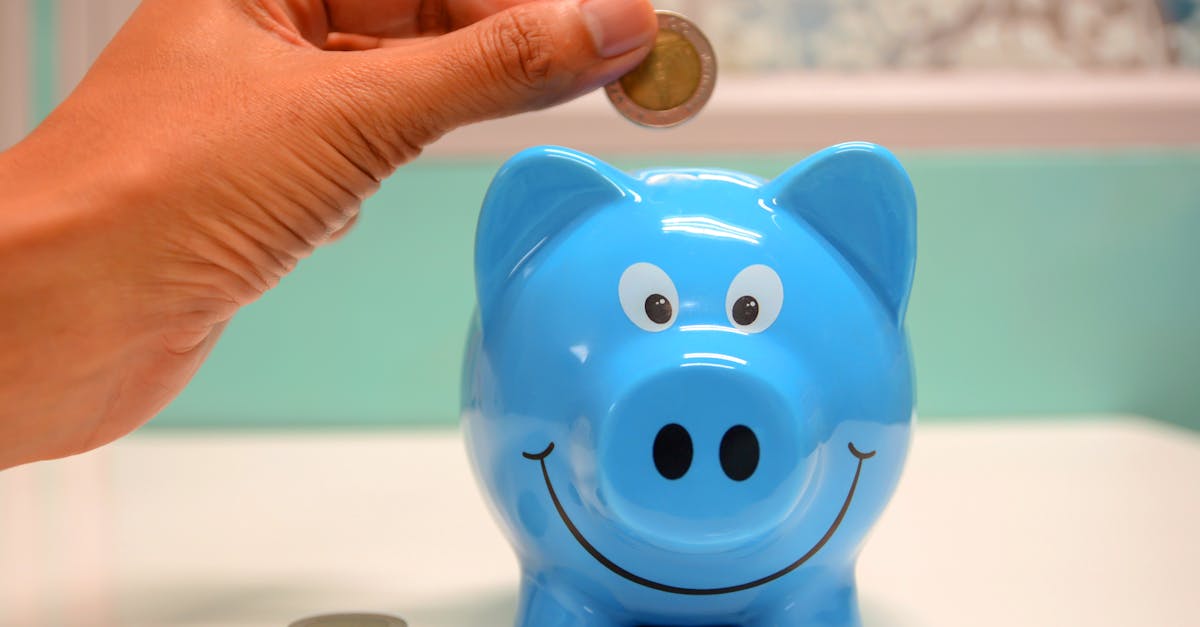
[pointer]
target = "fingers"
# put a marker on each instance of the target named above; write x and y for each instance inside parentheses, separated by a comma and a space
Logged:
(391, 19)
(406, 18)
(344, 42)
(343, 230)
(529, 56)
(314, 20)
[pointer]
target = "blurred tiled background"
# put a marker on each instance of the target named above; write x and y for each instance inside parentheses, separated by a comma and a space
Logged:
(754, 35)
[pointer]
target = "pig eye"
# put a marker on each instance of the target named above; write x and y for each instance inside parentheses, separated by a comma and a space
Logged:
(648, 297)
(754, 299)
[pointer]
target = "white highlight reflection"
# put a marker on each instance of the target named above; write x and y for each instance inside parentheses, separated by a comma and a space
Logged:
(714, 356)
(725, 178)
(711, 327)
(699, 225)
(706, 364)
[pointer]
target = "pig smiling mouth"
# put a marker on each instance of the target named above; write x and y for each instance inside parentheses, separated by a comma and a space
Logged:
(649, 583)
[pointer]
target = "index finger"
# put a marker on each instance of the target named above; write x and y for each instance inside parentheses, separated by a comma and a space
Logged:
(391, 19)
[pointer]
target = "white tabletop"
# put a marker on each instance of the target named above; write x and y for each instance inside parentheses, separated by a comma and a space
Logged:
(1087, 521)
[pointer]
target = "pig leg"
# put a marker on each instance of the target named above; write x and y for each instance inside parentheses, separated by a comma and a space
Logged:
(834, 608)
(542, 606)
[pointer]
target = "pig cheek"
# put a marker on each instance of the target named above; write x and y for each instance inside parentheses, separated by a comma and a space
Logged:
(532, 514)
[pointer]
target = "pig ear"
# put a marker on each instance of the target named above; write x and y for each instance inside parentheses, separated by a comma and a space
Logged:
(859, 198)
(533, 198)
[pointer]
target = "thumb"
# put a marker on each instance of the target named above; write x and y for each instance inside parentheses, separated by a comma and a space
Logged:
(527, 57)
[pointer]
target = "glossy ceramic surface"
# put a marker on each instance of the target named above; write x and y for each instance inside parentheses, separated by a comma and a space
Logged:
(688, 393)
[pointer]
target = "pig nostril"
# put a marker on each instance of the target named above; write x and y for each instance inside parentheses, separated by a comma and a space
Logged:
(739, 453)
(673, 451)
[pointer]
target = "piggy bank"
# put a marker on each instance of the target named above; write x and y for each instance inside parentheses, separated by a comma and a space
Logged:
(687, 393)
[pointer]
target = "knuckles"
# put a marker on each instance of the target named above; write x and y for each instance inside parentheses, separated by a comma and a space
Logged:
(520, 45)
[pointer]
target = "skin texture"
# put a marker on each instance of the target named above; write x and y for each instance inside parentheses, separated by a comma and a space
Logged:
(213, 145)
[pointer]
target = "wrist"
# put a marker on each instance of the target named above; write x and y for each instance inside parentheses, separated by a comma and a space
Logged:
(64, 320)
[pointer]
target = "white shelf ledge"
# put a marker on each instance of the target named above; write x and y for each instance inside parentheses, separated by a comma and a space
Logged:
(1081, 521)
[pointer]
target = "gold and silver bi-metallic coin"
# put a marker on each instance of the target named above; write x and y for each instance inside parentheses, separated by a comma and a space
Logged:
(674, 81)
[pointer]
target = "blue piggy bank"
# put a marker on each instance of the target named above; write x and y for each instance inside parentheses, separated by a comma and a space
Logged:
(687, 392)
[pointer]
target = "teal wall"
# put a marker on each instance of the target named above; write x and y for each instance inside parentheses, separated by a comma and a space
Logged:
(1047, 283)
(44, 56)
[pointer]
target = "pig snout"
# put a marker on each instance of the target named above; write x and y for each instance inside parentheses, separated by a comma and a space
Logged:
(703, 456)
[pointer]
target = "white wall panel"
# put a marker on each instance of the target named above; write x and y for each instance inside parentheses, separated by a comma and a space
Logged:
(85, 27)
(15, 78)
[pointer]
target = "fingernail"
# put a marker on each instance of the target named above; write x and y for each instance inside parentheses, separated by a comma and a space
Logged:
(617, 26)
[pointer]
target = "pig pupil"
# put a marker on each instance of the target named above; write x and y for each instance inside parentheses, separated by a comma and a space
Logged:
(658, 308)
(745, 310)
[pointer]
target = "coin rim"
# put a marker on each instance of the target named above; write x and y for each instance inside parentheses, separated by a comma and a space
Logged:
(676, 23)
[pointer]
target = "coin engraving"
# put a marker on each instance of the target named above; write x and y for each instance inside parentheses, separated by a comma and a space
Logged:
(674, 81)
(667, 77)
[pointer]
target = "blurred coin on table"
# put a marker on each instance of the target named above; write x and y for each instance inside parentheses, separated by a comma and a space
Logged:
(350, 620)
(675, 80)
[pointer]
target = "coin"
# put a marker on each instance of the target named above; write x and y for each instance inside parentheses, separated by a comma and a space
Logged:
(350, 620)
(674, 81)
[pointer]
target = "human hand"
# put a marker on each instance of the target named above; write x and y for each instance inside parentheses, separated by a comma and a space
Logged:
(213, 145)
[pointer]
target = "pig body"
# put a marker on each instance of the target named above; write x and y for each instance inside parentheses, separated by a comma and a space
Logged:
(688, 393)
